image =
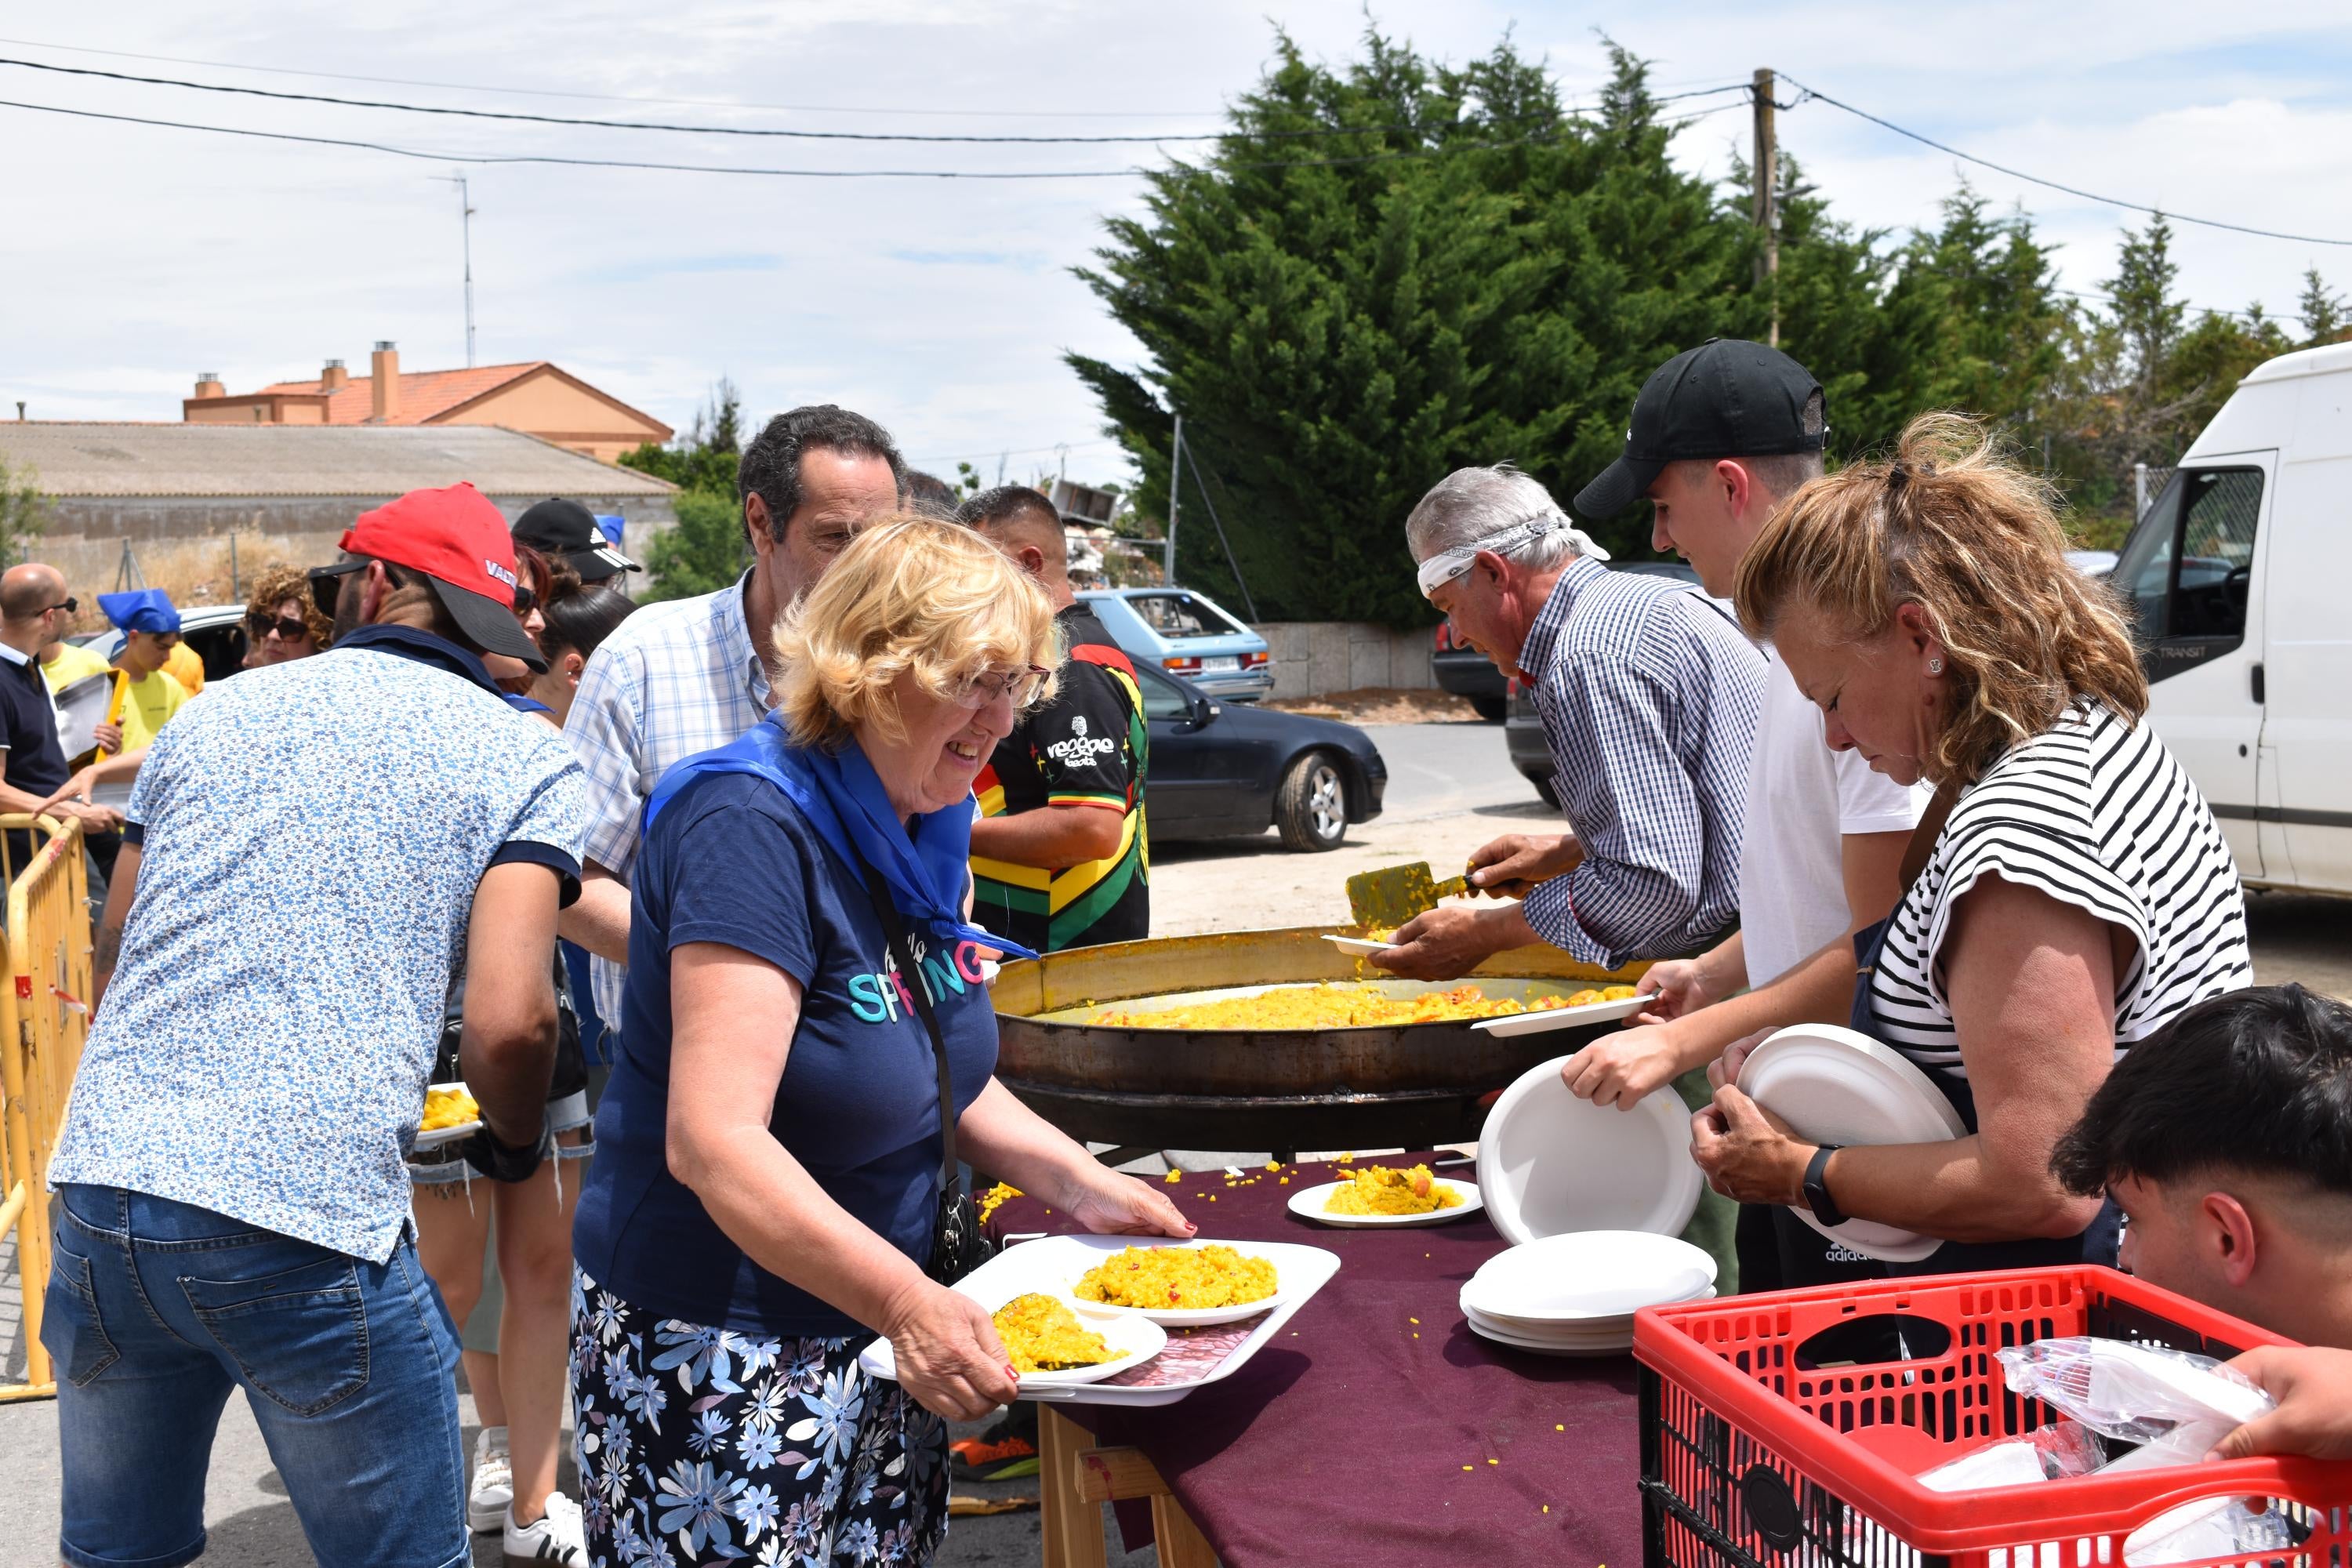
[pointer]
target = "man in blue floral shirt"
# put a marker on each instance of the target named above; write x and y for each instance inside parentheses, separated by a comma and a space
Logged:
(294, 894)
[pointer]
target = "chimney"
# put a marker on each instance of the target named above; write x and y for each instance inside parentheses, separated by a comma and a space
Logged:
(385, 369)
(208, 384)
(333, 377)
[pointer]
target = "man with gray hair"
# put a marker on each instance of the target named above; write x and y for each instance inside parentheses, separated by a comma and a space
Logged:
(1648, 694)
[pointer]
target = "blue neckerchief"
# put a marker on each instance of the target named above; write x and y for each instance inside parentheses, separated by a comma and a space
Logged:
(842, 797)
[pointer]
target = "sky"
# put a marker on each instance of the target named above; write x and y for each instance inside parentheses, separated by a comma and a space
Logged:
(134, 255)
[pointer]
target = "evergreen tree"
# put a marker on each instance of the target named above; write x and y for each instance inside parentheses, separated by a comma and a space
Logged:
(2319, 310)
(706, 550)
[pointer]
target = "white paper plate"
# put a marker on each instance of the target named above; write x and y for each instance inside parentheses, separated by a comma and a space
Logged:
(439, 1136)
(1837, 1086)
(1589, 1277)
(1307, 1204)
(1549, 1162)
(1606, 1336)
(1563, 1018)
(1192, 1318)
(1618, 1346)
(1131, 1338)
(1359, 944)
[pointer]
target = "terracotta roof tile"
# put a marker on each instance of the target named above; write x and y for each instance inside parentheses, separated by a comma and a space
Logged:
(423, 393)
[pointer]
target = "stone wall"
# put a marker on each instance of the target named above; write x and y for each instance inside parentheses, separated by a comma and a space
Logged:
(1315, 659)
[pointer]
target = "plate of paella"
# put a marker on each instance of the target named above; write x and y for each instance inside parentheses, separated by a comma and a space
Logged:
(1055, 1342)
(1594, 1004)
(450, 1114)
(1183, 1284)
(1387, 1194)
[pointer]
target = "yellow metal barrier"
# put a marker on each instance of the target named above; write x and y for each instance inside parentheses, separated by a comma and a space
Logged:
(43, 1021)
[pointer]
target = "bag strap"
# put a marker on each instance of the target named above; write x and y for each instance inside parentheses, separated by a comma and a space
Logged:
(902, 953)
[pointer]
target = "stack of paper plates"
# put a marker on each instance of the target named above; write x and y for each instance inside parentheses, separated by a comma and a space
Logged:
(1575, 1295)
(1550, 1164)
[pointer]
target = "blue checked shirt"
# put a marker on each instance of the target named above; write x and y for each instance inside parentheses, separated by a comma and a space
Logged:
(673, 680)
(1650, 699)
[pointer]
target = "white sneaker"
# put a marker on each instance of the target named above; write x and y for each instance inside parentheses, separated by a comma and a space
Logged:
(558, 1537)
(493, 1485)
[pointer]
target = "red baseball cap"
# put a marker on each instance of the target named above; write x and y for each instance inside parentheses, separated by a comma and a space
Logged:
(458, 540)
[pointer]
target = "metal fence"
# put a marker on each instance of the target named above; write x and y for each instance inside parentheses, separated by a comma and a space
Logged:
(43, 1021)
(2149, 480)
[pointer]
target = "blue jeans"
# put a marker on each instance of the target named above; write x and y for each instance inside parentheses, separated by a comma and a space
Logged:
(156, 1309)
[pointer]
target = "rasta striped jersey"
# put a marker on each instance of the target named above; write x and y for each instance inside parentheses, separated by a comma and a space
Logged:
(1087, 747)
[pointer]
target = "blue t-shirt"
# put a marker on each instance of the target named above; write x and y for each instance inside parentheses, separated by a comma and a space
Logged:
(731, 860)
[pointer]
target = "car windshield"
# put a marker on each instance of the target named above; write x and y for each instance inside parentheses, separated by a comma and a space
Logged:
(1180, 615)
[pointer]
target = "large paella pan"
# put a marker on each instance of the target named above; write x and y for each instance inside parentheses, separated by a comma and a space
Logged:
(1409, 1085)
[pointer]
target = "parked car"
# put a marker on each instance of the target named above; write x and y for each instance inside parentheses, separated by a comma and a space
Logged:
(215, 631)
(1187, 635)
(1466, 672)
(1523, 735)
(1219, 770)
(2236, 575)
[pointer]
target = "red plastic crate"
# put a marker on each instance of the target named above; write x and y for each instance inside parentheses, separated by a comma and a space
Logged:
(1769, 1440)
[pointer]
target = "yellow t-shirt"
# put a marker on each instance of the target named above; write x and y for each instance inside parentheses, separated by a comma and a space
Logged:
(184, 667)
(74, 662)
(147, 706)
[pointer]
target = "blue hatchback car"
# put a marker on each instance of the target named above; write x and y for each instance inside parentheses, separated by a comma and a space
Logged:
(1188, 636)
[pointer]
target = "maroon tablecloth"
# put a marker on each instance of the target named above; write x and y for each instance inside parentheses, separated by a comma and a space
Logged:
(1365, 1438)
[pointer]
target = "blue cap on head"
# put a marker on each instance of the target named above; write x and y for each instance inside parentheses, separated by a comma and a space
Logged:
(141, 610)
(611, 528)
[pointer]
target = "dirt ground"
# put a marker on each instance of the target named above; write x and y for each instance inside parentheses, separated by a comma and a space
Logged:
(1380, 705)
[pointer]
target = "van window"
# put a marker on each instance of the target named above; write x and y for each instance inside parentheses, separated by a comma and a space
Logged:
(2186, 566)
(1180, 615)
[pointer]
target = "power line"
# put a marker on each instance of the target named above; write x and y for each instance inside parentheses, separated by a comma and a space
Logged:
(516, 115)
(2051, 184)
(508, 158)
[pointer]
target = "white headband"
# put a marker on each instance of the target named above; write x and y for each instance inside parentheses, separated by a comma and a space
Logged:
(1448, 564)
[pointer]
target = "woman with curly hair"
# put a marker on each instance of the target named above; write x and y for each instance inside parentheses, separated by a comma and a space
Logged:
(282, 621)
(2078, 895)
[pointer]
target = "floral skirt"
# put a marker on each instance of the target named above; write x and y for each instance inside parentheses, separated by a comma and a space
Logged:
(704, 1446)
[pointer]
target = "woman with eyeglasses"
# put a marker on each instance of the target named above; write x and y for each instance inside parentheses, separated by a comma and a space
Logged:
(769, 1191)
(281, 621)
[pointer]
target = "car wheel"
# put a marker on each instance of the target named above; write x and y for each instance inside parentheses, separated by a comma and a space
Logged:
(1311, 807)
(1550, 792)
(1491, 708)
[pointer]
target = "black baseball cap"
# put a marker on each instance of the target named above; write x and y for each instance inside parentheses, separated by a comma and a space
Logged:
(565, 531)
(1725, 398)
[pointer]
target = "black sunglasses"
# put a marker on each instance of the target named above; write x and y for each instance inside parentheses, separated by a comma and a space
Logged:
(326, 583)
(69, 604)
(288, 627)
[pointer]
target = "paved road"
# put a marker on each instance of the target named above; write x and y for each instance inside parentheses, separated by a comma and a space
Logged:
(1451, 788)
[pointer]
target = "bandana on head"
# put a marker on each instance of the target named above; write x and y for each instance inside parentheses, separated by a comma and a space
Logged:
(1448, 564)
(140, 610)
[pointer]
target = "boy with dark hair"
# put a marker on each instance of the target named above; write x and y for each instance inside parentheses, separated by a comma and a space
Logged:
(2227, 1140)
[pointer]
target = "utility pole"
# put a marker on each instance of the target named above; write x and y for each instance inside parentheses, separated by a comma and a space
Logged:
(1768, 200)
(1175, 483)
(466, 218)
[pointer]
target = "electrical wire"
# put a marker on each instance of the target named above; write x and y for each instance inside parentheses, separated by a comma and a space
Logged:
(764, 131)
(1819, 96)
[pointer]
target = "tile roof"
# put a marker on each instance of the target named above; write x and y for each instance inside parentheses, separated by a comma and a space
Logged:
(423, 393)
(91, 458)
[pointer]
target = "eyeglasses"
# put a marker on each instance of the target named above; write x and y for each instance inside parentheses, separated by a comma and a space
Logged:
(69, 604)
(326, 583)
(1022, 688)
(288, 627)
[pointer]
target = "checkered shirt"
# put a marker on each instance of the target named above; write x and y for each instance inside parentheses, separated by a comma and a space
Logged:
(1650, 699)
(673, 680)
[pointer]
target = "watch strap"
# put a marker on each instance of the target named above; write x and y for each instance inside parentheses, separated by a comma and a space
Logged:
(1817, 1187)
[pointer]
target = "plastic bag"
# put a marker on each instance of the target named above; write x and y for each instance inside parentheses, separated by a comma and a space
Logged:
(2054, 1453)
(2133, 1393)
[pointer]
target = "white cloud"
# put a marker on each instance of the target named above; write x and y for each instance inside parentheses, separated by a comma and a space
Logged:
(136, 257)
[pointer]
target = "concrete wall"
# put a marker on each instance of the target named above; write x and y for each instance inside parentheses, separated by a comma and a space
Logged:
(1315, 659)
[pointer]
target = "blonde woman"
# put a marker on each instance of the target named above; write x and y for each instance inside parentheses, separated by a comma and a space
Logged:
(766, 1190)
(2077, 895)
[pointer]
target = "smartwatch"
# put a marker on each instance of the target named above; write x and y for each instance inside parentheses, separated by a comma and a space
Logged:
(1817, 1187)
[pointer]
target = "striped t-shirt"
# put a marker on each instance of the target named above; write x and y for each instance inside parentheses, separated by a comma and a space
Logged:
(2096, 813)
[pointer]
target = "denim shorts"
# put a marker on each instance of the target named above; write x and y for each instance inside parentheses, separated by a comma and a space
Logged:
(445, 1167)
(156, 1309)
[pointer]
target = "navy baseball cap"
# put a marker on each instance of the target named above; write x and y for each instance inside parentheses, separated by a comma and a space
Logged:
(1725, 398)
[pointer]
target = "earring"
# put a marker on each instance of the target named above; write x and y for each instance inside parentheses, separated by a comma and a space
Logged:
(1935, 667)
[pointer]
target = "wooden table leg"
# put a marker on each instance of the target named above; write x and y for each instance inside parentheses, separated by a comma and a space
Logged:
(1072, 1526)
(1181, 1544)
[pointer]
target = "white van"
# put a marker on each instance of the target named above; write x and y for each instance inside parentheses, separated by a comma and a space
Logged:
(2242, 576)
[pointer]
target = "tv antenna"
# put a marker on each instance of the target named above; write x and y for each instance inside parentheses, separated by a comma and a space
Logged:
(466, 218)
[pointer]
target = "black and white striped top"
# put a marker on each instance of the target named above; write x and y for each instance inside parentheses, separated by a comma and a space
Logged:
(2096, 813)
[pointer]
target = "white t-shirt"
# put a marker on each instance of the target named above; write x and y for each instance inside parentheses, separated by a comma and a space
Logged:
(1802, 799)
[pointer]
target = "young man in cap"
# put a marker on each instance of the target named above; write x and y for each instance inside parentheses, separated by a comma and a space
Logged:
(1648, 696)
(566, 531)
(278, 946)
(147, 694)
(1058, 856)
(684, 676)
